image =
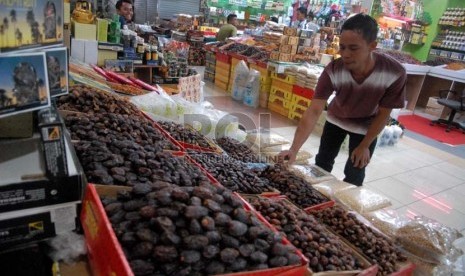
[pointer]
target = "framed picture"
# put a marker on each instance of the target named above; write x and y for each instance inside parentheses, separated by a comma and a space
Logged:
(119, 66)
(24, 85)
(30, 24)
(57, 70)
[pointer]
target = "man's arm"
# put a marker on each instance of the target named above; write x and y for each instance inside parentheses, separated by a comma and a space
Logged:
(305, 128)
(361, 154)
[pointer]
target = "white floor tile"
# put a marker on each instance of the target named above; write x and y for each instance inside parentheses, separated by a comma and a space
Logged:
(399, 191)
(423, 157)
(432, 209)
(428, 181)
(450, 199)
(460, 189)
(451, 169)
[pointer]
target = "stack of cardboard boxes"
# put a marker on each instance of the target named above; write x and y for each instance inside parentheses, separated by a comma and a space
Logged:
(289, 43)
(222, 70)
(210, 64)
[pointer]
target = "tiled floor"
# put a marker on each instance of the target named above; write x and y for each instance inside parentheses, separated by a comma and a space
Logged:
(417, 177)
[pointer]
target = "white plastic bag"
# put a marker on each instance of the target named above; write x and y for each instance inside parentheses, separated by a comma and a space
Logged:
(241, 76)
(252, 90)
(362, 200)
(312, 173)
(329, 188)
(160, 104)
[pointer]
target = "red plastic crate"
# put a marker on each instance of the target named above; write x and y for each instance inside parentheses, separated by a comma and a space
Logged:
(106, 255)
(303, 92)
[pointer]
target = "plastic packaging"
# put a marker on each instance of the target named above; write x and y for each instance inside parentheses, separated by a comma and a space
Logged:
(429, 239)
(362, 200)
(67, 247)
(252, 89)
(160, 104)
(263, 139)
(329, 188)
(387, 221)
(312, 173)
(241, 75)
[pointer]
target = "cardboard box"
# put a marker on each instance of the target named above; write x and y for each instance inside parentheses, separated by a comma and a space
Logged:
(290, 31)
(284, 39)
(24, 183)
(84, 31)
(274, 55)
(285, 57)
(102, 29)
(433, 108)
(17, 126)
(285, 49)
(293, 40)
(36, 224)
(294, 49)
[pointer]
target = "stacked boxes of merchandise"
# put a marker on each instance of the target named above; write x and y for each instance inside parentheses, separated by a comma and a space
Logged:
(300, 101)
(210, 64)
(234, 61)
(222, 70)
(289, 43)
(265, 83)
(281, 93)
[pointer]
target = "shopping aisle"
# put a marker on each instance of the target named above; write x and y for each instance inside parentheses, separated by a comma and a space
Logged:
(418, 178)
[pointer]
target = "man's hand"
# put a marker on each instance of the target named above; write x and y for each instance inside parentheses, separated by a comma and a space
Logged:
(287, 155)
(360, 157)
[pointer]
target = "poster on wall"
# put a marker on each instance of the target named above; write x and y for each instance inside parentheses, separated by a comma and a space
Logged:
(24, 85)
(57, 71)
(30, 24)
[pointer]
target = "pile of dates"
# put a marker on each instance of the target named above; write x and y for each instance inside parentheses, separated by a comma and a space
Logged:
(82, 98)
(238, 150)
(324, 250)
(236, 48)
(126, 163)
(185, 134)
(294, 187)
(379, 249)
(232, 173)
(170, 230)
(109, 128)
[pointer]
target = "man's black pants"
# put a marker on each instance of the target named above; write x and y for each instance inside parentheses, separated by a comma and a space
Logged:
(330, 144)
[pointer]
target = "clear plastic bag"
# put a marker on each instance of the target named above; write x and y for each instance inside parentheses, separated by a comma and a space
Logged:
(241, 75)
(387, 221)
(262, 140)
(329, 188)
(159, 104)
(362, 200)
(312, 173)
(252, 89)
(301, 157)
(429, 239)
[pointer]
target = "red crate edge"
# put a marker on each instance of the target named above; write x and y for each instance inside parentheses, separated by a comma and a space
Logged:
(303, 92)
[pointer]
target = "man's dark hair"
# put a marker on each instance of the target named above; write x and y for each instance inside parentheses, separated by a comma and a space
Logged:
(302, 10)
(311, 16)
(274, 19)
(363, 24)
(231, 17)
(120, 3)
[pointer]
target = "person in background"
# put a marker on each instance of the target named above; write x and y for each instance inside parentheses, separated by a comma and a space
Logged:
(274, 19)
(367, 86)
(229, 29)
(311, 25)
(301, 21)
(124, 8)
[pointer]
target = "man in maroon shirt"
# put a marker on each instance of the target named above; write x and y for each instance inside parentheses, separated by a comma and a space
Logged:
(367, 86)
